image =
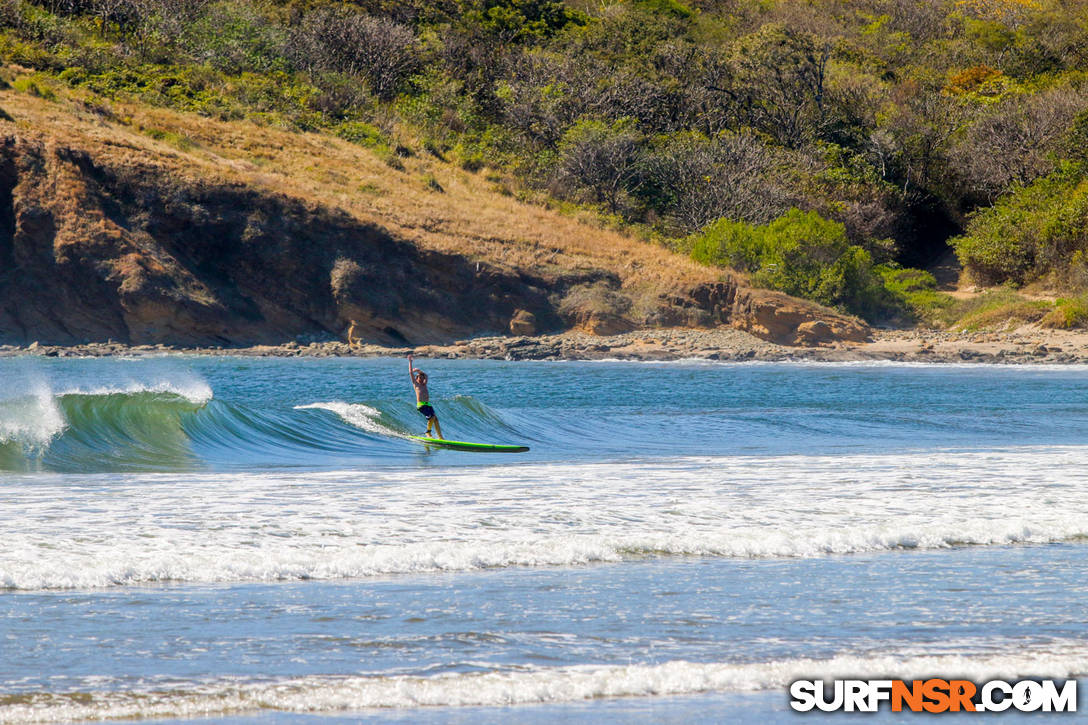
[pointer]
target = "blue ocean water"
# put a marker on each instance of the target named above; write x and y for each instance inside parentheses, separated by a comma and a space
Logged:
(257, 539)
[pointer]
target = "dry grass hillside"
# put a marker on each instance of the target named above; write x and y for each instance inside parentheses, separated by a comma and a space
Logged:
(149, 225)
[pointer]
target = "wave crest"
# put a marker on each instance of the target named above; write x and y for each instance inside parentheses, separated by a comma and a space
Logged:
(359, 415)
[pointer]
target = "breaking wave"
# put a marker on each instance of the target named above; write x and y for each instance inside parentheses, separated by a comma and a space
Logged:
(522, 685)
(163, 427)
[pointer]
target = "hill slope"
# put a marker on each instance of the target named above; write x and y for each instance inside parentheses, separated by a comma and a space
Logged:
(148, 225)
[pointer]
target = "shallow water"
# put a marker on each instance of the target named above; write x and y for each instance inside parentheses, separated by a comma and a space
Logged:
(257, 539)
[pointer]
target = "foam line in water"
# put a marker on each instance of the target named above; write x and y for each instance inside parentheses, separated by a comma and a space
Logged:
(336, 525)
(522, 686)
(306, 558)
(831, 364)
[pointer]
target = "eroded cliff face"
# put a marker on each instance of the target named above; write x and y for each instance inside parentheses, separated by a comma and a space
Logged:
(136, 254)
(142, 251)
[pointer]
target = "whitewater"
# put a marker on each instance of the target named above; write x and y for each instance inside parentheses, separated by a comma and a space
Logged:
(236, 538)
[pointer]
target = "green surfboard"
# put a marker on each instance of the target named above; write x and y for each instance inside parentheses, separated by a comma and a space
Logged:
(477, 447)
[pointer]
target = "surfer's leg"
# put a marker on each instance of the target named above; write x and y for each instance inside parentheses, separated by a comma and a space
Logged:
(437, 427)
(427, 412)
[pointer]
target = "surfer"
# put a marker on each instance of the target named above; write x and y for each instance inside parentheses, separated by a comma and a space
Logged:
(423, 397)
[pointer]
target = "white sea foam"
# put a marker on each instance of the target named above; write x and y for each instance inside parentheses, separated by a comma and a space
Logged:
(1027, 367)
(31, 418)
(249, 527)
(524, 686)
(356, 414)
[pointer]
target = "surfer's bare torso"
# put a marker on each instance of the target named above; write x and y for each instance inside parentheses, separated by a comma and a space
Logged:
(422, 395)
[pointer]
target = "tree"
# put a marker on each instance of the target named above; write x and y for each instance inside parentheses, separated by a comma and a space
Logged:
(779, 77)
(694, 180)
(707, 78)
(920, 124)
(541, 98)
(236, 38)
(602, 159)
(509, 21)
(922, 19)
(1014, 142)
(342, 40)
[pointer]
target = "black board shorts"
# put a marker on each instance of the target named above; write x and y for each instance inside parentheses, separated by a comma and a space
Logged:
(426, 410)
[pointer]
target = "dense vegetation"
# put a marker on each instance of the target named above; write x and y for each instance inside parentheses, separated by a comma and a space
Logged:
(825, 147)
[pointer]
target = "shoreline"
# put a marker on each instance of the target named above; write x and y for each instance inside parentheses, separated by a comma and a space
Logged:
(1024, 346)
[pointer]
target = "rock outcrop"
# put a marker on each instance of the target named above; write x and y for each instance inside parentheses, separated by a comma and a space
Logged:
(789, 321)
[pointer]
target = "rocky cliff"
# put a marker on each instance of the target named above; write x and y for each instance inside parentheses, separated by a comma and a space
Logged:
(139, 254)
(107, 232)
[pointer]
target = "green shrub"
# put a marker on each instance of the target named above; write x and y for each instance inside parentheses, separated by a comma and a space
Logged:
(728, 243)
(801, 254)
(199, 90)
(74, 75)
(434, 149)
(916, 292)
(393, 161)
(668, 7)
(274, 98)
(1029, 233)
(14, 49)
(236, 37)
(177, 140)
(907, 281)
(371, 189)
(360, 133)
(34, 87)
(1067, 313)
(518, 19)
(1000, 309)
(473, 163)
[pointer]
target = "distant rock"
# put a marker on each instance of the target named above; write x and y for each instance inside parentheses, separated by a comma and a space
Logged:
(523, 323)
